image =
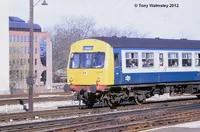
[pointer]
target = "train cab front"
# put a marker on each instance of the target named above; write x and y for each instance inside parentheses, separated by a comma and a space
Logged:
(88, 72)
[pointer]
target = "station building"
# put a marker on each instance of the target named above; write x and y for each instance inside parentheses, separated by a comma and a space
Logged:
(19, 50)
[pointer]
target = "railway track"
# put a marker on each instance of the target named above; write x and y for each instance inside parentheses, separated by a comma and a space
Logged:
(74, 110)
(35, 94)
(129, 120)
(22, 99)
(80, 117)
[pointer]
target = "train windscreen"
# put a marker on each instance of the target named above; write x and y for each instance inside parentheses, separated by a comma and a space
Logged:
(87, 60)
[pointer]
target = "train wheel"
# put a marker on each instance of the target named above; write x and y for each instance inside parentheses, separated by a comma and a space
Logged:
(89, 104)
(111, 104)
(138, 100)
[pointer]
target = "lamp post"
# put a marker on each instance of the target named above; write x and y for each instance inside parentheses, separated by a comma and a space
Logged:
(30, 79)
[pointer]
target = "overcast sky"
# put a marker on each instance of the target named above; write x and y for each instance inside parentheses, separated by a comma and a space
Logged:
(182, 21)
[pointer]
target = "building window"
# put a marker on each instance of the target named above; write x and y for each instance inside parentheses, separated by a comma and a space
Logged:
(17, 50)
(43, 48)
(21, 38)
(13, 50)
(197, 59)
(29, 38)
(147, 59)
(186, 59)
(10, 38)
(17, 61)
(24, 38)
(24, 50)
(21, 50)
(21, 61)
(25, 61)
(17, 38)
(173, 59)
(35, 38)
(17, 73)
(13, 38)
(28, 50)
(24, 72)
(35, 61)
(35, 50)
(21, 74)
(131, 59)
(35, 73)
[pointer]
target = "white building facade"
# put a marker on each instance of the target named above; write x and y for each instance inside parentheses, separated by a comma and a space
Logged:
(4, 50)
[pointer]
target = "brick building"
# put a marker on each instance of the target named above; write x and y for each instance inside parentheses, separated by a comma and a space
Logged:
(19, 56)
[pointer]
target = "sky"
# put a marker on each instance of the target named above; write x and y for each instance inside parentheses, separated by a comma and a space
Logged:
(180, 21)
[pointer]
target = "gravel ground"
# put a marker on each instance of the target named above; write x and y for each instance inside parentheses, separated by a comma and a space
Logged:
(37, 106)
(54, 104)
(167, 97)
(184, 127)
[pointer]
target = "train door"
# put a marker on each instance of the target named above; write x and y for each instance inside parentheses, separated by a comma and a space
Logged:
(161, 60)
(162, 66)
(118, 69)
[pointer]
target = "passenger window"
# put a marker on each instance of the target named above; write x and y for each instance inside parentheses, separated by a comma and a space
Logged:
(131, 59)
(147, 59)
(186, 59)
(173, 59)
(197, 59)
(116, 60)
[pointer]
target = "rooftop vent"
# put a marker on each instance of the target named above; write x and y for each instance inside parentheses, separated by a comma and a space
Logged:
(114, 36)
(124, 37)
(183, 38)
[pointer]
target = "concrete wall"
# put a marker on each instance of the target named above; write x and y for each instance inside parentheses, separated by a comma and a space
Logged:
(49, 65)
(4, 50)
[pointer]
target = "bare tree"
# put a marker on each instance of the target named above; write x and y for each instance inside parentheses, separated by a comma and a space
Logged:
(115, 31)
(76, 28)
(63, 35)
(16, 71)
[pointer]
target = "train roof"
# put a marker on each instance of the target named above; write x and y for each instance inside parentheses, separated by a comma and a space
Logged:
(124, 42)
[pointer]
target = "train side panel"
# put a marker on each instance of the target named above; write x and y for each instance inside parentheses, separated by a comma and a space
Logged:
(158, 73)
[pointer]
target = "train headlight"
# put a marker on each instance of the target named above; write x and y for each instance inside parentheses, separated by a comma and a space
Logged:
(98, 80)
(70, 80)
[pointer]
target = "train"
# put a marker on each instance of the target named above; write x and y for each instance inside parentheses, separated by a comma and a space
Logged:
(114, 69)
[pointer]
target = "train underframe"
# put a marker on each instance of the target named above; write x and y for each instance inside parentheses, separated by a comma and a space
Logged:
(114, 95)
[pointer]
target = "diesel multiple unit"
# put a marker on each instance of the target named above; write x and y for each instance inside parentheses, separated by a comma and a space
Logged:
(113, 69)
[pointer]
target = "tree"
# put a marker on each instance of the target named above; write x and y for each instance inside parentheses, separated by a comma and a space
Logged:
(17, 72)
(115, 31)
(63, 35)
(76, 28)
